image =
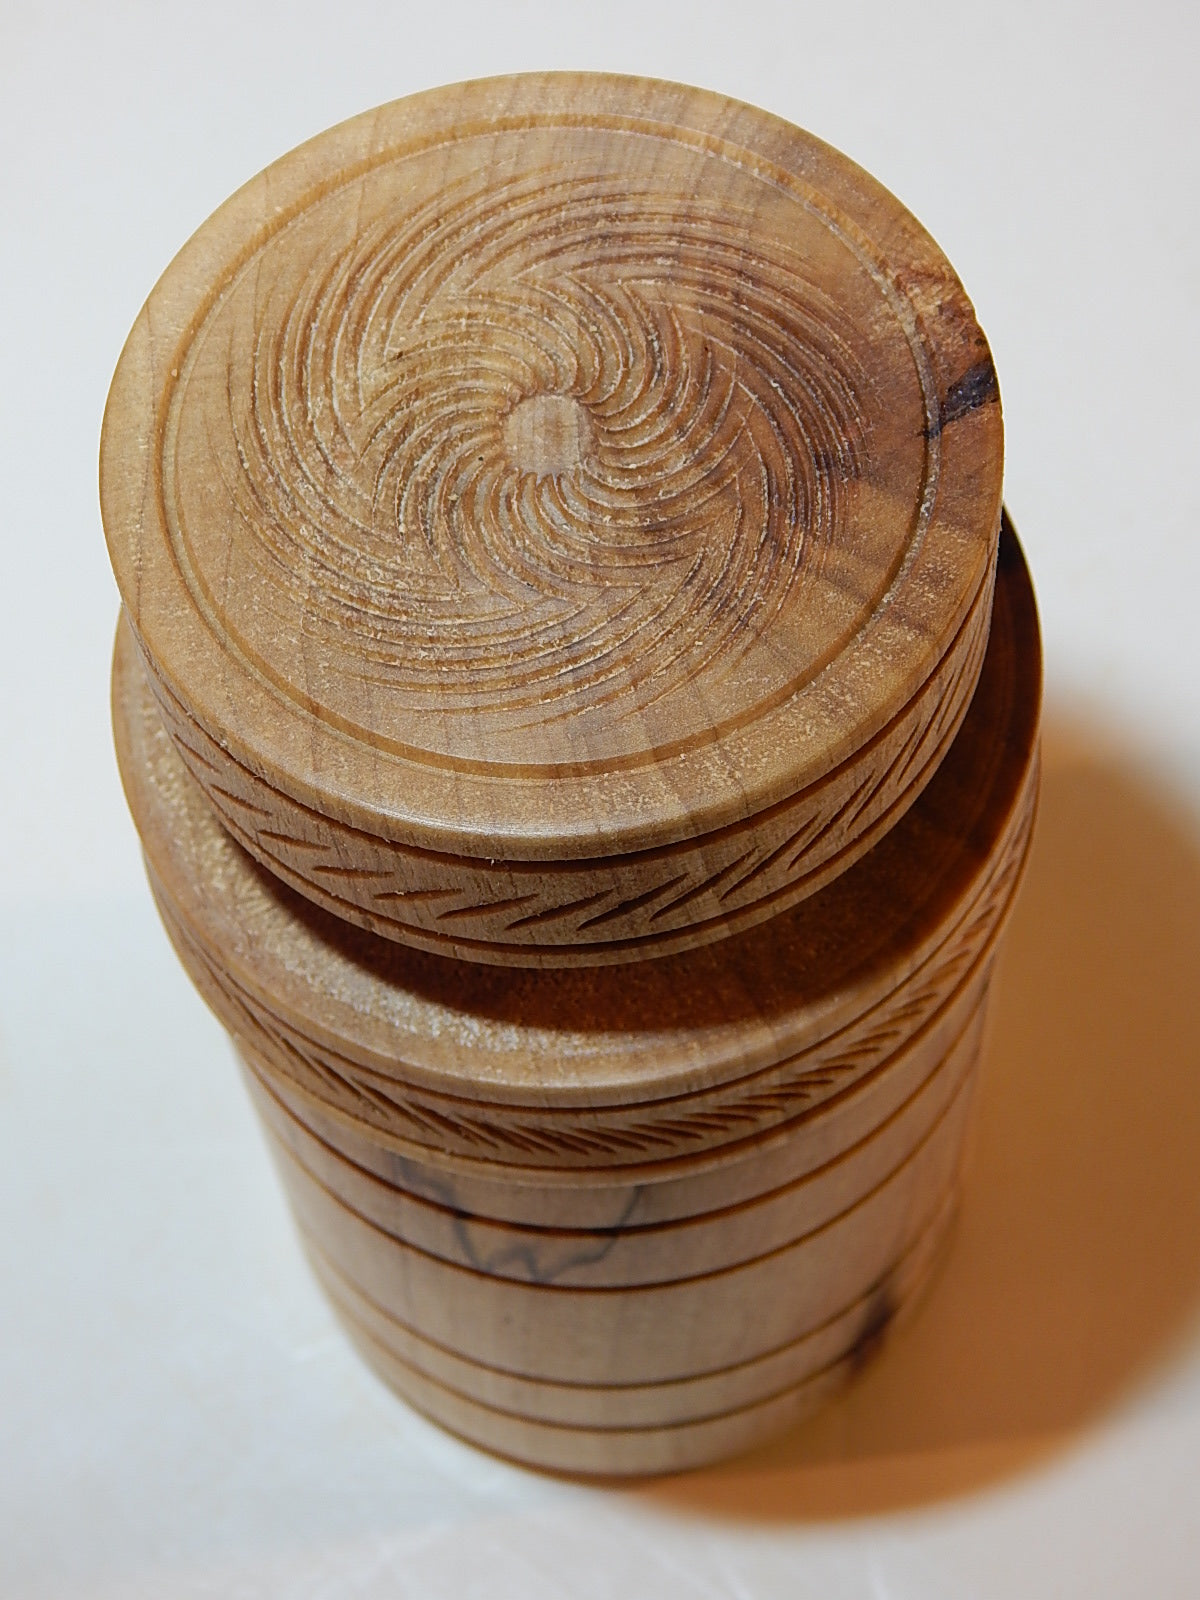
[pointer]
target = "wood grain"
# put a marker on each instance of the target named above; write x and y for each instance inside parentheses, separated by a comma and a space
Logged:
(621, 1220)
(558, 516)
(837, 1170)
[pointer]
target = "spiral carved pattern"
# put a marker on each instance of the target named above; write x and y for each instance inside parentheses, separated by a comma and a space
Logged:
(545, 443)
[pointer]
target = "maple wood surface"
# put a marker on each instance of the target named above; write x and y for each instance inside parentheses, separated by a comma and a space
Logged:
(558, 515)
(856, 1145)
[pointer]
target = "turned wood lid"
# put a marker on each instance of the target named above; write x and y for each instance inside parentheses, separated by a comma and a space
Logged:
(600, 1067)
(558, 514)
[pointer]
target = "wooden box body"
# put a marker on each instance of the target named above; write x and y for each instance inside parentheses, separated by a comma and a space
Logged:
(614, 1223)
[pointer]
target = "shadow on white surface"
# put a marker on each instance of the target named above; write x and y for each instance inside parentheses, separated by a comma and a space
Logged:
(1075, 1269)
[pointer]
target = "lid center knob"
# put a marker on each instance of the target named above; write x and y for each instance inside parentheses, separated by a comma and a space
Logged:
(548, 433)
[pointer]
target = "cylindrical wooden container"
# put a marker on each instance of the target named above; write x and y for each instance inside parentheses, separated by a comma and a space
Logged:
(575, 748)
(619, 1220)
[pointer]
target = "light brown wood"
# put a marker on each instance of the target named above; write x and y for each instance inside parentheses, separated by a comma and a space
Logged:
(643, 1333)
(632, 1405)
(608, 1219)
(558, 516)
(558, 1251)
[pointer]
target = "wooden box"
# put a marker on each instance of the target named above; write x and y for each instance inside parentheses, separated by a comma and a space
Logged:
(577, 750)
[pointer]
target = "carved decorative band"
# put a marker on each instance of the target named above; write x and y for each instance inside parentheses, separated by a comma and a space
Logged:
(590, 912)
(617, 1402)
(629, 1133)
(731, 1233)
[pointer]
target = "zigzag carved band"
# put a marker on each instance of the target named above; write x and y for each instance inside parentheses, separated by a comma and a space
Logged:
(547, 913)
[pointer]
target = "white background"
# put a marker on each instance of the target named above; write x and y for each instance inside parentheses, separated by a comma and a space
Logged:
(178, 1415)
